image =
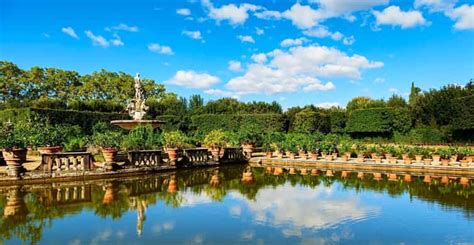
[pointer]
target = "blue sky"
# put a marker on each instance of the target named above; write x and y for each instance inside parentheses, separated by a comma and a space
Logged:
(321, 52)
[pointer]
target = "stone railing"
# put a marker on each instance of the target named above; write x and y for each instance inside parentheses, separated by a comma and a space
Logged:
(68, 161)
(233, 154)
(63, 195)
(195, 156)
(150, 158)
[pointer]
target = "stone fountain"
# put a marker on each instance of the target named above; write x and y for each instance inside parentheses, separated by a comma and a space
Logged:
(137, 110)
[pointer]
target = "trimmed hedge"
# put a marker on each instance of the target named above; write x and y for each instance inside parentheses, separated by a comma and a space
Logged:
(464, 114)
(382, 121)
(338, 121)
(205, 123)
(311, 122)
(173, 123)
(85, 119)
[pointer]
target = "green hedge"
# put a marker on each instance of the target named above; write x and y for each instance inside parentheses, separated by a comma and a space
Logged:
(85, 119)
(232, 122)
(338, 121)
(464, 113)
(382, 121)
(308, 121)
(173, 123)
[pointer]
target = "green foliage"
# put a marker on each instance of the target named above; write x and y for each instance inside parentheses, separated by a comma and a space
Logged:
(375, 120)
(76, 143)
(205, 123)
(463, 118)
(173, 122)
(108, 139)
(142, 138)
(396, 101)
(273, 141)
(216, 139)
(17, 135)
(338, 121)
(421, 135)
(250, 133)
(85, 120)
(308, 121)
(174, 139)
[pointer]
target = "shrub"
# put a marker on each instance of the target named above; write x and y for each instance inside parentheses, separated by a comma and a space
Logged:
(338, 121)
(205, 123)
(423, 135)
(308, 121)
(76, 143)
(250, 134)
(215, 139)
(107, 139)
(17, 135)
(174, 139)
(142, 138)
(273, 141)
(375, 121)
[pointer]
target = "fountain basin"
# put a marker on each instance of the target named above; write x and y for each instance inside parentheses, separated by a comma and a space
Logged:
(130, 124)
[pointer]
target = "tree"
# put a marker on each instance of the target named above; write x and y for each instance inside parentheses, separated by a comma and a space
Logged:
(196, 103)
(414, 93)
(396, 101)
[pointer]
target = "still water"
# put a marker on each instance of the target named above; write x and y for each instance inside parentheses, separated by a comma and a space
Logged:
(219, 205)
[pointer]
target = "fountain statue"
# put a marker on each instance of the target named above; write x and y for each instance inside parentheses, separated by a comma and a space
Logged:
(137, 109)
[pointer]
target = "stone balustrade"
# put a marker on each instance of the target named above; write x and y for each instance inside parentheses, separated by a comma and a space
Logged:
(233, 154)
(67, 161)
(150, 158)
(195, 156)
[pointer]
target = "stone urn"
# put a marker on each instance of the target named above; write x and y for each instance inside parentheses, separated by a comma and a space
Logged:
(445, 162)
(428, 161)
(313, 156)
(407, 160)
(14, 158)
(418, 158)
(436, 157)
(248, 149)
(49, 149)
(464, 163)
(291, 155)
(15, 206)
(269, 154)
(302, 154)
(215, 153)
(110, 155)
(172, 154)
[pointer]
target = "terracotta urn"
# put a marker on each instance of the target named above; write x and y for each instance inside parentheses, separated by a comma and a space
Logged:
(388, 156)
(445, 162)
(464, 163)
(247, 177)
(248, 148)
(323, 154)
(427, 179)
(279, 155)
(215, 151)
(172, 154)
(215, 180)
(49, 149)
(109, 154)
(418, 158)
(348, 154)
(405, 156)
(377, 176)
(344, 174)
(15, 205)
(378, 160)
(360, 158)
(14, 158)
(454, 158)
(292, 171)
(464, 181)
(291, 155)
(407, 178)
(428, 161)
(314, 172)
(436, 157)
(360, 175)
(269, 154)
(445, 179)
(302, 154)
(407, 160)
(344, 158)
(392, 160)
(329, 173)
(314, 156)
(329, 157)
(392, 177)
(110, 194)
(172, 185)
(269, 169)
(277, 171)
(304, 171)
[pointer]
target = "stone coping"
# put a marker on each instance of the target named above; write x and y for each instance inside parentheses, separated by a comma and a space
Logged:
(353, 164)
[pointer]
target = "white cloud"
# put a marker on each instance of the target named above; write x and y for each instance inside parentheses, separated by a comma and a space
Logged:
(268, 15)
(299, 68)
(327, 105)
(464, 17)
(318, 86)
(332, 8)
(348, 40)
(235, 65)
(69, 31)
(322, 32)
(97, 40)
(379, 80)
(161, 49)
(259, 31)
(303, 17)
(192, 79)
(394, 16)
(183, 11)
(125, 27)
(222, 93)
(193, 34)
(116, 41)
(247, 39)
(435, 5)
(393, 90)
(232, 13)
(293, 42)
(259, 58)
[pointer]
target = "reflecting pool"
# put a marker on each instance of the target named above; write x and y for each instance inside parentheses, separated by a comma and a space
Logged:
(239, 204)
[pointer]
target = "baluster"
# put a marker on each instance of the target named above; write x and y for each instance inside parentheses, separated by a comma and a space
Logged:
(58, 195)
(83, 192)
(66, 194)
(74, 193)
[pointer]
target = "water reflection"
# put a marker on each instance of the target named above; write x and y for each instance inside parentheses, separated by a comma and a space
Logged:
(270, 202)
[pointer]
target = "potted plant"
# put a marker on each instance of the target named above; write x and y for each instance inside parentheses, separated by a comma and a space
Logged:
(445, 154)
(345, 147)
(215, 141)
(14, 140)
(466, 156)
(404, 151)
(391, 154)
(314, 147)
(301, 141)
(435, 155)
(172, 141)
(290, 146)
(109, 143)
(49, 137)
(361, 150)
(76, 144)
(249, 136)
(454, 154)
(418, 152)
